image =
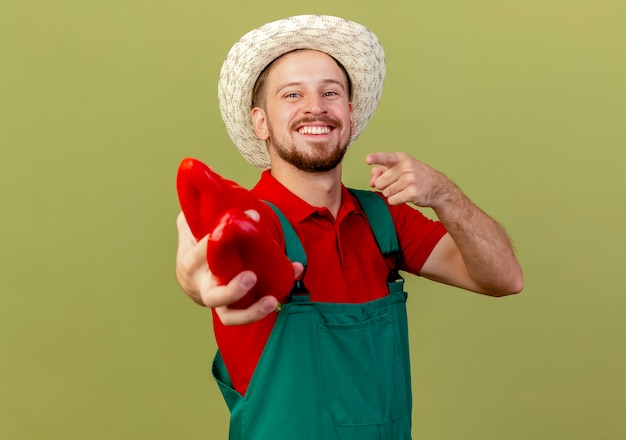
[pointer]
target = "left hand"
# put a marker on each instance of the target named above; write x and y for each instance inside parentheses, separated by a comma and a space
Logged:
(402, 178)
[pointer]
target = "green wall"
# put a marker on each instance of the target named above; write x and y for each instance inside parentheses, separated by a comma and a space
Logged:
(522, 103)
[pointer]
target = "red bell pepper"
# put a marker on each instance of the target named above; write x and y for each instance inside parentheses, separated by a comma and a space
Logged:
(215, 205)
(238, 243)
(204, 195)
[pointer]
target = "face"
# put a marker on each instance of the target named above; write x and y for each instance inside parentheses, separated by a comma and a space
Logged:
(307, 116)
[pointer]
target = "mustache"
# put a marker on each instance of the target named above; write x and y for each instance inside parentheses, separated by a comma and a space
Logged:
(310, 120)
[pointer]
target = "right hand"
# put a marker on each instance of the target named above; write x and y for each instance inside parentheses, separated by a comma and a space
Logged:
(195, 279)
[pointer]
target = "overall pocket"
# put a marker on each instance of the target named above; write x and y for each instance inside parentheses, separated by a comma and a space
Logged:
(362, 371)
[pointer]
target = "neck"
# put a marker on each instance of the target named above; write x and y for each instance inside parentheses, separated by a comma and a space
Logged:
(317, 189)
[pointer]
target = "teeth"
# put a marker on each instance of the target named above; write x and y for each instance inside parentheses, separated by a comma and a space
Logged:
(314, 130)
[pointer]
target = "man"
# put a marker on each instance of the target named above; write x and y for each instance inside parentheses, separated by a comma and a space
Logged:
(332, 363)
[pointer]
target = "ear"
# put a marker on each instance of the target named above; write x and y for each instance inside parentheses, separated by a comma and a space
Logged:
(259, 122)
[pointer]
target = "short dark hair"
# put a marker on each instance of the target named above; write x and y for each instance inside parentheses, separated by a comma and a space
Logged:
(258, 91)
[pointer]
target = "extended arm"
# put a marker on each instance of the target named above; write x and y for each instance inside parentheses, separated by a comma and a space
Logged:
(476, 254)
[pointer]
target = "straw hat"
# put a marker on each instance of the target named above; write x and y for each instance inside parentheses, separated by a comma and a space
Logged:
(350, 43)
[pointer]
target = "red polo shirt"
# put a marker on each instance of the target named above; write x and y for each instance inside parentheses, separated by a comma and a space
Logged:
(343, 263)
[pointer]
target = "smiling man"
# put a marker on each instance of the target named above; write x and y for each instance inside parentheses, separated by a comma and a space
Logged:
(315, 108)
(333, 362)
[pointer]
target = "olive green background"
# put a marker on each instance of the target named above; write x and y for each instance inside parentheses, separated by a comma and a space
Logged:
(522, 103)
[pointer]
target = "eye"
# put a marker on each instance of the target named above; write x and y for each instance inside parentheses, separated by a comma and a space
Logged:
(331, 93)
(292, 95)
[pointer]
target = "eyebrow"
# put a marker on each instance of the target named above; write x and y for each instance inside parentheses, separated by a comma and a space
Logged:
(324, 81)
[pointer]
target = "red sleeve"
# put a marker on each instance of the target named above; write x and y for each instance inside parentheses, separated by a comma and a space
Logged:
(417, 236)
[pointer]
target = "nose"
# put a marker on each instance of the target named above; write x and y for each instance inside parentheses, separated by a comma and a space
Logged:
(315, 105)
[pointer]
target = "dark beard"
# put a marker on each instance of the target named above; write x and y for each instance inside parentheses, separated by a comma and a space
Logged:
(309, 165)
(304, 163)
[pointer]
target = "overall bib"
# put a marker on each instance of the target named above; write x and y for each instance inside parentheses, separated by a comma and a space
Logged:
(330, 370)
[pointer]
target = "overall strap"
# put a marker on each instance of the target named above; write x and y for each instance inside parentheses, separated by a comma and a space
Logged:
(379, 218)
(295, 252)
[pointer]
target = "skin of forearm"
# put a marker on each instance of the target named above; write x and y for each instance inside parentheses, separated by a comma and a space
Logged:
(484, 245)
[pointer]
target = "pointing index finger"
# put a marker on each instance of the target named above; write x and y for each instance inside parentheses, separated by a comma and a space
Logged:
(386, 159)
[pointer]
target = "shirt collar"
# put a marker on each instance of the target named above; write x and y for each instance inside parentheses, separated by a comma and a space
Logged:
(294, 208)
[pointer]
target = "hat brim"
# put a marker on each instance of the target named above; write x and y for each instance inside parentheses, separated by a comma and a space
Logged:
(353, 45)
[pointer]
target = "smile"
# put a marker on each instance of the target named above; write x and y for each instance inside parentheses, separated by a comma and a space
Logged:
(315, 129)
